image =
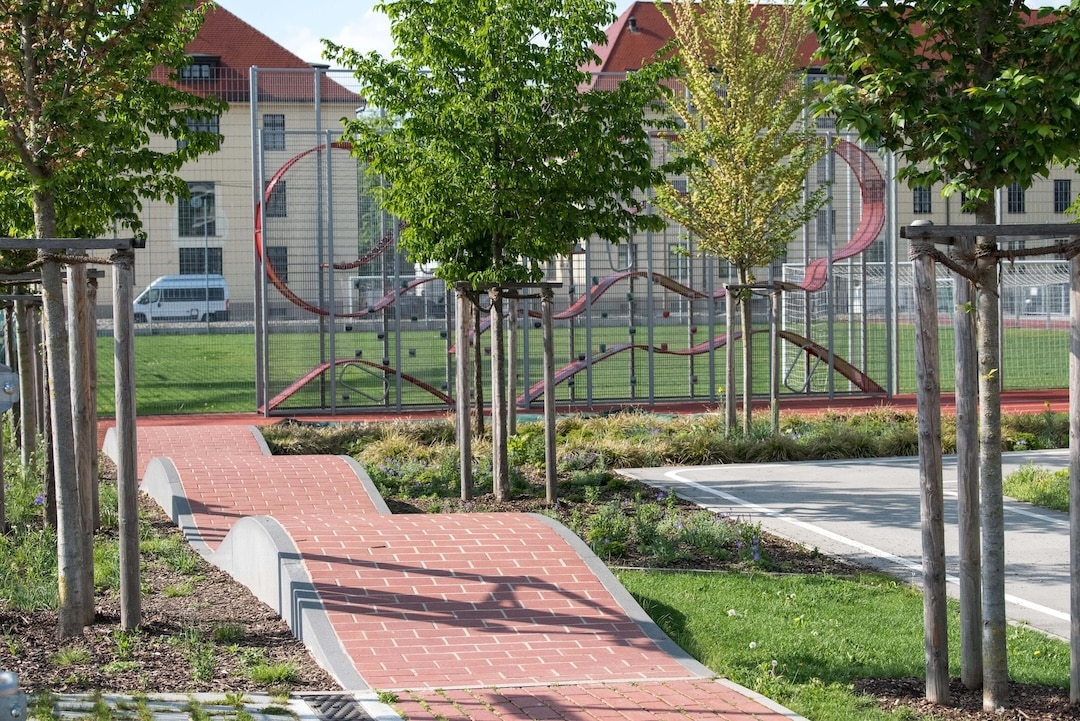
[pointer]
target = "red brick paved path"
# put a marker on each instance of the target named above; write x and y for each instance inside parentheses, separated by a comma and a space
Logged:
(464, 616)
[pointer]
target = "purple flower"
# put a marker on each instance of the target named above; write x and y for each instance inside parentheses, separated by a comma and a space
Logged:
(40, 500)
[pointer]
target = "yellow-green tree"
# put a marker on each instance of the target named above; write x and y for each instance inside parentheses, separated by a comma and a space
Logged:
(743, 143)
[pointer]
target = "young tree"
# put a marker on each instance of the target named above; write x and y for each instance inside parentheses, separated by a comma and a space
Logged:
(974, 95)
(78, 103)
(498, 156)
(743, 143)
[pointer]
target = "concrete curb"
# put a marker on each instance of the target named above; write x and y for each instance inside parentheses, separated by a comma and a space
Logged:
(259, 553)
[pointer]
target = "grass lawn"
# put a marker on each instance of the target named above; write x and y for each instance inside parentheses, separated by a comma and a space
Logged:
(804, 641)
(214, 373)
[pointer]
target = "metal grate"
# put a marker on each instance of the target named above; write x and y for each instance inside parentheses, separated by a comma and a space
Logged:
(337, 707)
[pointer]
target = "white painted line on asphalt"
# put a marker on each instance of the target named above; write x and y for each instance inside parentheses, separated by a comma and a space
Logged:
(899, 560)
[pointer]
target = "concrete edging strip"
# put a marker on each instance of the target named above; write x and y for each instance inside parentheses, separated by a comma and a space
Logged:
(162, 483)
(259, 553)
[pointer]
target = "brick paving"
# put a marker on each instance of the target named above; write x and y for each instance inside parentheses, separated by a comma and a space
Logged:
(462, 616)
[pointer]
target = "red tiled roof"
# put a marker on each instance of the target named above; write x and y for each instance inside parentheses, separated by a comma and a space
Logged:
(239, 46)
(631, 44)
(641, 31)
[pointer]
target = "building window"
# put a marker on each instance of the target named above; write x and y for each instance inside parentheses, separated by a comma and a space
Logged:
(199, 70)
(1015, 200)
(627, 259)
(276, 206)
(921, 201)
(1062, 195)
(278, 257)
(273, 132)
(678, 263)
(823, 170)
(826, 226)
(205, 123)
(197, 261)
(198, 214)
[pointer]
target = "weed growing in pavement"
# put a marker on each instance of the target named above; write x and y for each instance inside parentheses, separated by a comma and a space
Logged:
(236, 700)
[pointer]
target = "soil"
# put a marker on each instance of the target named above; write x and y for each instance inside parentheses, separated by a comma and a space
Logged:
(164, 655)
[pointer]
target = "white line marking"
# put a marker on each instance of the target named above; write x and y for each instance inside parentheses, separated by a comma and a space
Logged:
(899, 560)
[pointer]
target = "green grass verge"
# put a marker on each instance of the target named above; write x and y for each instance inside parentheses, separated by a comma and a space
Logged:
(1039, 486)
(805, 640)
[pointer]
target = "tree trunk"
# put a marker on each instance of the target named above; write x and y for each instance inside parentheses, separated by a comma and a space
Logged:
(967, 478)
(79, 360)
(28, 382)
(745, 297)
(995, 663)
(500, 468)
(74, 558)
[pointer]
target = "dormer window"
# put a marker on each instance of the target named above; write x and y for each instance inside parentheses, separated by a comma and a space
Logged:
(202, 67)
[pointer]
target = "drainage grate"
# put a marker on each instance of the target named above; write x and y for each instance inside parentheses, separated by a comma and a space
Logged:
(337, 707)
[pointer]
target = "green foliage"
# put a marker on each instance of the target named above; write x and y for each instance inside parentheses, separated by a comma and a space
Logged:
(82, 98)
(743, 143)
(1040, 486)
(492, 145)
(970, 93)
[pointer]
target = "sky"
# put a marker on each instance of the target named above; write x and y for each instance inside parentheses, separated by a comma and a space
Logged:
(299, 26)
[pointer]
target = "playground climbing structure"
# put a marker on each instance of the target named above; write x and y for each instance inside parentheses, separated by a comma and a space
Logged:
(347, 322)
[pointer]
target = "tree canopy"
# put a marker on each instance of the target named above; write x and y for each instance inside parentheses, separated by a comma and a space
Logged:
(79, 102)
(496, 152)
(973, 94)
(743, 142)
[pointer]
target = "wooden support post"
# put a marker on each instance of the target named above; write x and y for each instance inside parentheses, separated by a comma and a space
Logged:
(464, 427)
(932, 516)
(126, 461)
(500, 467)
(547, 304)
(1074, 479)
(512, 366)
(729, 361)
(774, 358)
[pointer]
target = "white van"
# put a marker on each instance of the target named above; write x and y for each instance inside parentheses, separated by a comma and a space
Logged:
(184, 297)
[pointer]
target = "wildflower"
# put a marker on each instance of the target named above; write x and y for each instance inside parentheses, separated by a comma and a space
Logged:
(40, 500)
(732, 612)
(753, 645)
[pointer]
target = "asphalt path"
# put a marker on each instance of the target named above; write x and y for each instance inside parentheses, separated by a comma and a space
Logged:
(867, 510)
